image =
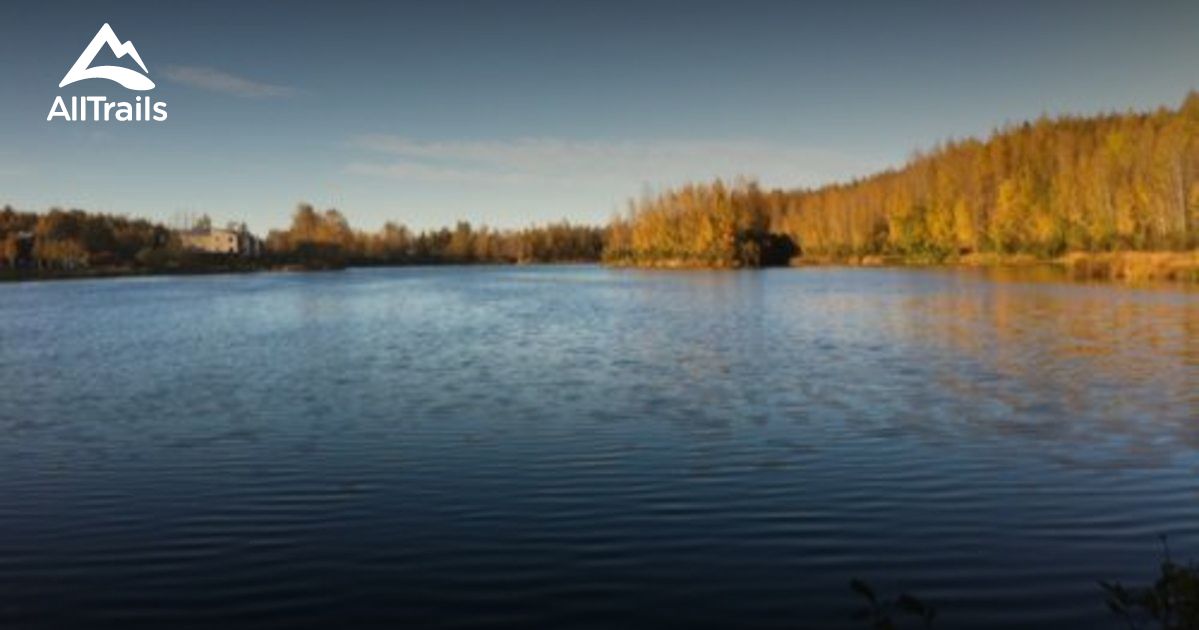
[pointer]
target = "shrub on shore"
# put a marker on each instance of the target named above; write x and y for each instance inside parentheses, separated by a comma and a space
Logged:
(1133, 266)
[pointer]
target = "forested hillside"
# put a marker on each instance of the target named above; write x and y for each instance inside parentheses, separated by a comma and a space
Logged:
(1117, 182)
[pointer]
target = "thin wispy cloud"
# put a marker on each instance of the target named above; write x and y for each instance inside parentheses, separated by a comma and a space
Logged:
(417, 171)
(215, 80)
(615, 162)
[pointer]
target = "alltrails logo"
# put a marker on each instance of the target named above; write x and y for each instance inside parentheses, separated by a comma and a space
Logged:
(99, 108)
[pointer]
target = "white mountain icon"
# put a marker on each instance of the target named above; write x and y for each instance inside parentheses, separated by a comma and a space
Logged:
(131, 79)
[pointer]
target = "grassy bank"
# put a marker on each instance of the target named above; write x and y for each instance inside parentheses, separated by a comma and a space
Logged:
(1134, 266)
(1115, 266)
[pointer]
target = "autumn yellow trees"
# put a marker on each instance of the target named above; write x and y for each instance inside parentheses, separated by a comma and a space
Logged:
(316, 239)
(326, 239)
(1115, 182)
(700, 225)
(61, 239)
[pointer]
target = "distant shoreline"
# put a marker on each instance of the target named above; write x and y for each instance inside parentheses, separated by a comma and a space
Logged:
(100, 273)
(1122, 267)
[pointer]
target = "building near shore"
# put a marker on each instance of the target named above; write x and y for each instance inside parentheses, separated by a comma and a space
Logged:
(236, 242)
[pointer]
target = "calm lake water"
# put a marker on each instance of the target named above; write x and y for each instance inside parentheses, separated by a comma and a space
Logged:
(582, 447)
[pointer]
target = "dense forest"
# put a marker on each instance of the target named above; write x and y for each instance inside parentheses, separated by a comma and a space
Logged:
(1117, 182)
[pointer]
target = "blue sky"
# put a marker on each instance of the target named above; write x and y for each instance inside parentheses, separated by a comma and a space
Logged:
(509, 113)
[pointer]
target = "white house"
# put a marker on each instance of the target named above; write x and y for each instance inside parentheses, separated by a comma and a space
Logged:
(221, 241)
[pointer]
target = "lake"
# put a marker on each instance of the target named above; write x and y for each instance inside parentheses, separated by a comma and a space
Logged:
(587, 447)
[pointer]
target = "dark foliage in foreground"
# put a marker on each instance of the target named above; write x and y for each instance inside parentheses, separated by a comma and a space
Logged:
(1170, 603)
(882, 614)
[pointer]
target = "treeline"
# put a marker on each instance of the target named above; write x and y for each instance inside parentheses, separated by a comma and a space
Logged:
(74, 242)
(1111, 183)
(72, 239)
(1118, 182)
(67, 241)
(326, 239)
